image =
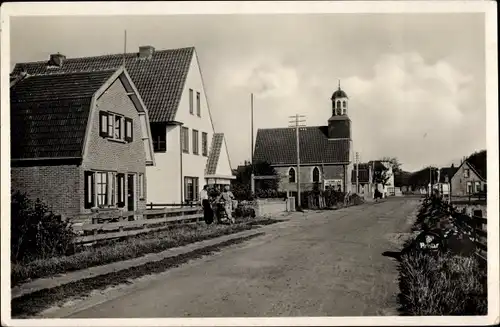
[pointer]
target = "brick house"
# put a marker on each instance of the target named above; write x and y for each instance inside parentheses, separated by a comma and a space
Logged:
(468, 179)
(325, 151)
(188, 153)
(80, 141)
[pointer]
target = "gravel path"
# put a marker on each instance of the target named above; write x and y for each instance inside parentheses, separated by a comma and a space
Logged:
(316, 264)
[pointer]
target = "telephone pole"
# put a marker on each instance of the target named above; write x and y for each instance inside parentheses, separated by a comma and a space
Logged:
(297, 121)
(252, 174)
(357, 172)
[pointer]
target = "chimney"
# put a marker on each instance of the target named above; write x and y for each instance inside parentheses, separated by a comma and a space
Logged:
(146, 52)
(56, 59)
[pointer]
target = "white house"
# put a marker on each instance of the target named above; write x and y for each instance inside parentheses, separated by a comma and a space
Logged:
(188, 153)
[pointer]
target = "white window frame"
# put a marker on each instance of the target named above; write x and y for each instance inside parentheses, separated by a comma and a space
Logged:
(102, 188)
(198, 104)
(141, 186)
(469, 188)
(466, 173)
(196, 141)
(191, 102)
(294, 175)
(477, 187)
(112, 126)
(185, 139)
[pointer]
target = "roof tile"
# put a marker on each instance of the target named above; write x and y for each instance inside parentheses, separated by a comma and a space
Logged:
(278, 146)
(160, 80)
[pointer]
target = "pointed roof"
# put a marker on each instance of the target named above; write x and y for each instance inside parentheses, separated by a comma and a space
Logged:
(159, 79)
(277, 146)
(49, 113)
(339, 93)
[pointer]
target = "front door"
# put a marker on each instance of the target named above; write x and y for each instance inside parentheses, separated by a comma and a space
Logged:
(130, 193)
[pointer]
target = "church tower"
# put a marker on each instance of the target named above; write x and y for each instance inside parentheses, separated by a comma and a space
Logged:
(339, 124)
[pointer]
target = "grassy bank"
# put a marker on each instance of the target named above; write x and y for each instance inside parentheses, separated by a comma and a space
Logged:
(129, 248)
(440, 282)
(442, 285)
(34, 303)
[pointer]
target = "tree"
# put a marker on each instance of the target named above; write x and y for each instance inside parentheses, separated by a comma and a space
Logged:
(260, 168)
(381, 174)
(394, 163)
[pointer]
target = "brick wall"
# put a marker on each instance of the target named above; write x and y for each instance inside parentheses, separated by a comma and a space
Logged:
(306, 181)
(57, 186)
(106, 155)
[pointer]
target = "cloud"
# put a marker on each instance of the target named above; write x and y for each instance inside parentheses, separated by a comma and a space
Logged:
(406, 98)
(392, 108)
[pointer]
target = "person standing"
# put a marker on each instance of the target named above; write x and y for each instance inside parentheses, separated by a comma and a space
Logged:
(208, 213)
(228, 197)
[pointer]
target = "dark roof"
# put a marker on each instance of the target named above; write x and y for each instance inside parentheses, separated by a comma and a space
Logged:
(478, 161)
(215, 150)
(277, 146)
(447, 171)
(339, 94)
(159, 80)
(49, 113)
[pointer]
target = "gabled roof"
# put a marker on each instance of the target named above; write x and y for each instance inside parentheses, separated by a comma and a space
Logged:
(215, 150)
(447, 171)
(49, 114)
(277, 146)
(159, 80)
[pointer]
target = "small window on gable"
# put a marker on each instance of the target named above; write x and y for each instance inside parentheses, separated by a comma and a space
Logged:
(315, 175)
(466, 173)
(191, 107)
(198, 104)
(291, 175)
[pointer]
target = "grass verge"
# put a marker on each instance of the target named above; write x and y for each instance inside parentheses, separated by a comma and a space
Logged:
(442, 284)
(129, 248)
(31, 304)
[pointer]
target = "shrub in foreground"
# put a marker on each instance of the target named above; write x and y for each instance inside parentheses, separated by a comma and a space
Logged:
(36, 232)
(442, 284)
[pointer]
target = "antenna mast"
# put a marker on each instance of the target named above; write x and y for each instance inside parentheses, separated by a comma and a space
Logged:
(124, 48)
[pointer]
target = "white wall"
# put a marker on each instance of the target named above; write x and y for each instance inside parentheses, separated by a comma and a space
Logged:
(164, 178)
(223, 165)
(194, 165)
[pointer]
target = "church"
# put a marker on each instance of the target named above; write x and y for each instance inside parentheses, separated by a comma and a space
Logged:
(326, 156)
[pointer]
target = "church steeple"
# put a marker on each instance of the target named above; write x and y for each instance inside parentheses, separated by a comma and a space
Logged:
(339, 102)
(339, 124)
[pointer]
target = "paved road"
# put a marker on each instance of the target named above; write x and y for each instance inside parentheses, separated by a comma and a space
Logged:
(318, 264)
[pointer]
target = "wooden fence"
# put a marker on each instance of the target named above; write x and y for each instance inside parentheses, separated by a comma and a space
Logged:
(154, 220)
(478, 225)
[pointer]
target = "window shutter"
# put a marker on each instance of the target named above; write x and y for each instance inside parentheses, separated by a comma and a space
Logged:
(89, 190)
(128, 130)
(121, 190)
(103, 124)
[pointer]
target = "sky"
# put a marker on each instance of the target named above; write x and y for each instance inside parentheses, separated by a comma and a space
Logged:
(416, 82)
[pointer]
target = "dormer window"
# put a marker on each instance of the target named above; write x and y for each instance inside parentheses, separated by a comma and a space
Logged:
(115, 127)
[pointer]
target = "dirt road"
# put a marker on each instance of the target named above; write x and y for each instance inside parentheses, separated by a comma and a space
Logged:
(316, 264)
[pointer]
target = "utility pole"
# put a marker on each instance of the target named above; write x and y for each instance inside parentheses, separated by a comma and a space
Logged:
(297, 121)
(252, 182)
(124, 47)
(357, 172)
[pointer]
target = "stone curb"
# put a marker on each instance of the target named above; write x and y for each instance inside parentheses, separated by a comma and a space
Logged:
(62, 279)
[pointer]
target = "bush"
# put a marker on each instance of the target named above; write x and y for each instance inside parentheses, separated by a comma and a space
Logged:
(442, 285)
(36, 232)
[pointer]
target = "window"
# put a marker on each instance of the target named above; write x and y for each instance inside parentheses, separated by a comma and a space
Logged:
(102, 188)
(466, 173)
(291, 175)
(141, 186)
(185, 139)
(469, 188)
(190, 189)
(477, 187)
(315, 175)
(191, 101)
(159, 136)
(111, 188)
(204, 144)
(196, 143)
(115, 127)
(198, 104)
(344, 104)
